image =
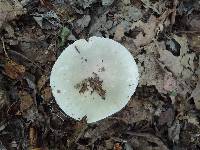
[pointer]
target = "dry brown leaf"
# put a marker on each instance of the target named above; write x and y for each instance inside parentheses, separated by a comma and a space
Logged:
(26, 100)
(174, 131)
(149, 70)
(9, 12)
(14, 70)
(149, 30)
(194, 42)
(194, 23)
(119, 33)
(170, 82)
(181, 66)
(196, 95)
(46, 93)
(41, 82)
(146, 141)
(138, 110)
(33, 137)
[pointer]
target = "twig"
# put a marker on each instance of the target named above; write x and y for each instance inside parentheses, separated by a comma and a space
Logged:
(173, 17)
(26, 58)
(188, 32)
(4, 48)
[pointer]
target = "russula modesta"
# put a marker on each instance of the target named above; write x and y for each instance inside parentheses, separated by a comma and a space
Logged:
(94, 78)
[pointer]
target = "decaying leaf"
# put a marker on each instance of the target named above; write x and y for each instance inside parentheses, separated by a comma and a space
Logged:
(26, 100)
(119, 33)
(150, 29)
(194, 42)
(146, 141)
(50, 16)
(181, 66)
(196, 95)
(46, 94)
(9, 12)
(138, 110)
(33, 136)
(3, 98)
(149, 70)
(41, 82)
(174, 131)
(14, 70)
(156, 7)
(82, 22)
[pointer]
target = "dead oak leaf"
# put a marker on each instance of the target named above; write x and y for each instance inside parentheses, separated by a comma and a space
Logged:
(14, 70)
(181, 66)
(148, 33)
(26, 100)
(9, 12)
(46, 94)
(150, 29)
(149, 69)
(119, 33)
(41, 82)
(196, 95)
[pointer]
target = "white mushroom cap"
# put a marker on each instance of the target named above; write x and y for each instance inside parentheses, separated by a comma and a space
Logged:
(104, 58)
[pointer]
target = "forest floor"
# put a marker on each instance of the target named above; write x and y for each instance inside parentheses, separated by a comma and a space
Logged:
(162, 35)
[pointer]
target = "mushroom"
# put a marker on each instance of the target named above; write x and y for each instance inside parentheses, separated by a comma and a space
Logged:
(94, 78)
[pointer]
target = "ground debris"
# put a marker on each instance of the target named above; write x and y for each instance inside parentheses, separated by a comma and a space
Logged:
(9, 12)
(14, 70)
(163, 36)
(26, 101)
(92, 84)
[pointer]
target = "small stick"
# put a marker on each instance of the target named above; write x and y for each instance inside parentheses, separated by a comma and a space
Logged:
(4, 48)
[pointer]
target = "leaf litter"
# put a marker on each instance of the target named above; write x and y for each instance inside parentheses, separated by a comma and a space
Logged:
(162, 36)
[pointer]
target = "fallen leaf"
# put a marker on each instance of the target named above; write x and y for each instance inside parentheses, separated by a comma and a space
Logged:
(33, 137)
(138, 110)
(149, 69)
(26, 100)
(41, 82)
(194, 42)
(156, 7)
(107, 2)
(146, 141)
(82, 23)
(196, 95)
(166, 117)
(9, 12)
(150, 29)
(109, 144)
(194, 23)
(46, 94)
(119, 32)
(181, 66)
(14, 70)
(127, 146)
(174, 132)
(50, 17)
(170, 83)
(83, 3)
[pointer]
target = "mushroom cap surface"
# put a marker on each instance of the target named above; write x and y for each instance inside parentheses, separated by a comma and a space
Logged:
(94, 78)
